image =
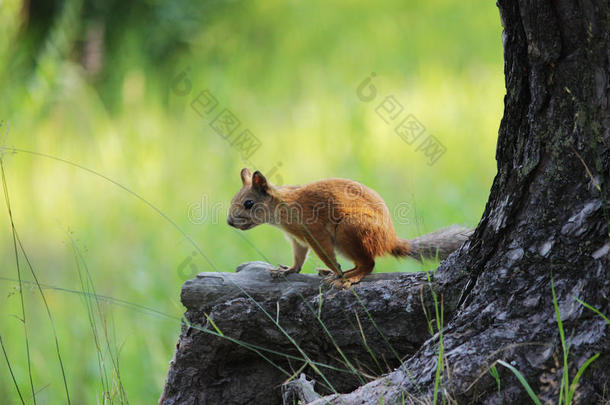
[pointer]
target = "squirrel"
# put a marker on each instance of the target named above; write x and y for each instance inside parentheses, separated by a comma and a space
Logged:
(333, 215)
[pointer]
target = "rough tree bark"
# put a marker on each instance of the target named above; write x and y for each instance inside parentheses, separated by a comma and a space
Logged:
(547, 218)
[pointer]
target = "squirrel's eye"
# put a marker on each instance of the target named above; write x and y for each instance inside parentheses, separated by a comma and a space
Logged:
(248, 204)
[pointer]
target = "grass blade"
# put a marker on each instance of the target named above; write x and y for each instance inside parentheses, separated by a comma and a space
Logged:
(88, 285)
(439, 315)
(23, 317)
(49, 315)
(565, 380)
(493, 370)
(523, 382)
(592, 308)
(10, 370)
(579, 374)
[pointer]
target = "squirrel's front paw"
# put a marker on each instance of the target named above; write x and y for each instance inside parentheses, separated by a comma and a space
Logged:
(281, 270)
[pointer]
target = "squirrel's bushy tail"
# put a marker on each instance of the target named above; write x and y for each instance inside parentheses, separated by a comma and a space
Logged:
(438, 244)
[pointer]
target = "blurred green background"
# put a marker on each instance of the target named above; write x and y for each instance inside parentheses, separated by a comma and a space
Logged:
(95, 83)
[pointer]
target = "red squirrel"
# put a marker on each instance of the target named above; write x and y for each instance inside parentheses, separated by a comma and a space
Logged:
(333, 215)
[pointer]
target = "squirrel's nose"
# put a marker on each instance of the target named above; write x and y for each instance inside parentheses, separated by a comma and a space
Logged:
(230, 222)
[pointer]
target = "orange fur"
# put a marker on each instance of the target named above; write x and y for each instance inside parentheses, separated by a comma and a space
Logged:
(325, 216)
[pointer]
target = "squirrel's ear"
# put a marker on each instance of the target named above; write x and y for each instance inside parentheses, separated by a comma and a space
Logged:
(246, 176)
(259, 182)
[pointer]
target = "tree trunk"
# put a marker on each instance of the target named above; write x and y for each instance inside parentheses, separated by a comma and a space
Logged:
(547, 220)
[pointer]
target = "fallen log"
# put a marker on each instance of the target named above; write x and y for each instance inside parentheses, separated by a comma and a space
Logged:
(246, 333)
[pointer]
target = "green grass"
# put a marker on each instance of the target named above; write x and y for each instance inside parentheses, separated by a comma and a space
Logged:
(567, 389)
(289, 72)
(523, 381)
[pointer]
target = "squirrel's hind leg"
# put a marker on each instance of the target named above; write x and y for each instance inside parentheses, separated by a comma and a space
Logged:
(360, 248)
(353, 276)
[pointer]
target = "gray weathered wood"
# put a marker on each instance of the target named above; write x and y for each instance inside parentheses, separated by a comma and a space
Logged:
(211, 369)
(253, 279)
(299, 390)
